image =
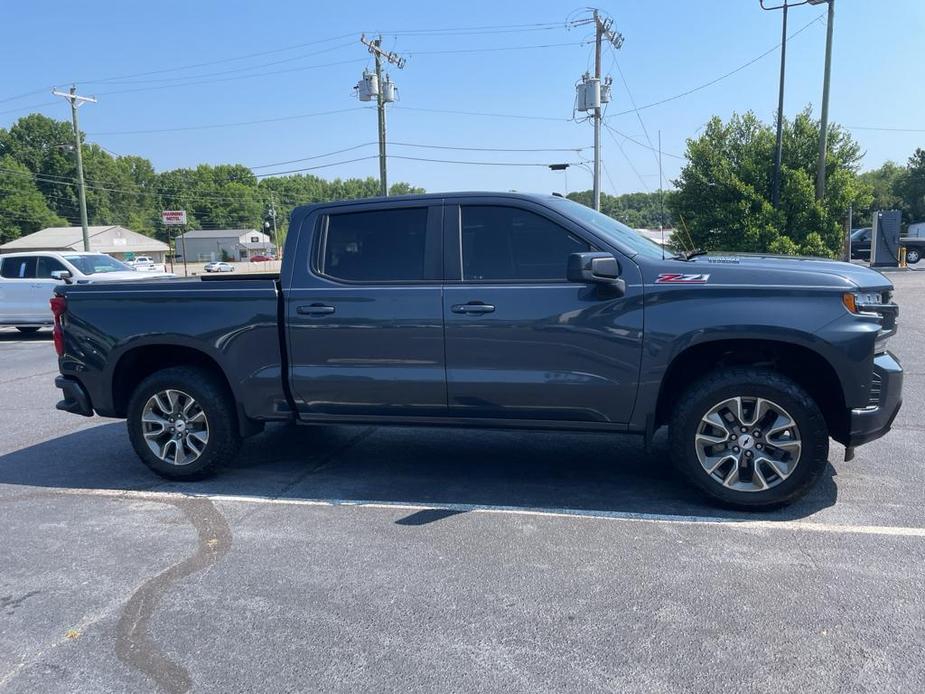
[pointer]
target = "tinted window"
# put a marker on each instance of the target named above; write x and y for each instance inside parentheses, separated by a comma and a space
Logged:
(47, 265)
(507, 243)
(18, 268)
(607, 227)
(381, 246)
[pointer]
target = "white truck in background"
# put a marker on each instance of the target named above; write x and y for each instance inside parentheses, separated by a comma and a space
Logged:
(28, 280)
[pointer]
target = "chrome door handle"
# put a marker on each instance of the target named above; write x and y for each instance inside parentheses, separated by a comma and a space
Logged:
(473, 307)
(315, 310)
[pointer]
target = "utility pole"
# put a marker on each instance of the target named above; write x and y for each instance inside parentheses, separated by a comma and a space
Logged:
(273, 217)
(76, 101)
(598, 35)
(824, 121)
(779, 146)
(593, 92)
(382, 98)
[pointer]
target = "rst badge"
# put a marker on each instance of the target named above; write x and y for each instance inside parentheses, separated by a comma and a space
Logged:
(680, 278)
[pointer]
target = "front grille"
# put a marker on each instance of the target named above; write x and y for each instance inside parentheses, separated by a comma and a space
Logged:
(876, 385)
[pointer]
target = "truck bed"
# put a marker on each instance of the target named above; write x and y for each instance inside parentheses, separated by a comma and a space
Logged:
(114, 328)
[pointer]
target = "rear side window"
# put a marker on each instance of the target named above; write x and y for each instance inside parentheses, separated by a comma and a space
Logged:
(378, 246)
(18, 268)
(508, 243)
(47, 265)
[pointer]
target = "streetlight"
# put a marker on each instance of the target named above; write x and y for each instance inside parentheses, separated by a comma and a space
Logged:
(779, 146)
(564, 169)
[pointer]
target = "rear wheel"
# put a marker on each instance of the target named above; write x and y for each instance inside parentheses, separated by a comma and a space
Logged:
(182, 423)
(27, 329)
(913, 255)
(749, 438)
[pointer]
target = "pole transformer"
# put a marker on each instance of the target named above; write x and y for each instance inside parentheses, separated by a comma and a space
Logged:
(75, 102)
(594, 92)
(382, 98)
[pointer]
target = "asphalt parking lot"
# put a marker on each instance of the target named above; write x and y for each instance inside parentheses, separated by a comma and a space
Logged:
(376, 559)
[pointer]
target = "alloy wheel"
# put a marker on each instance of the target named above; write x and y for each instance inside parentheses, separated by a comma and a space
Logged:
(748, 444)
(175, 427)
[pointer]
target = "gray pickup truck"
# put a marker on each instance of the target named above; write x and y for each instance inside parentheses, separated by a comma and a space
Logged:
(496, 310)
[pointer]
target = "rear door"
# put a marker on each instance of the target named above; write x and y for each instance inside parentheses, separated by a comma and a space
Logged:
(364, 313)
(521, 341)
(20, 292)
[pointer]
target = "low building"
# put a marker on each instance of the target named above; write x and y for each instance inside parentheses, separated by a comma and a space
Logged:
(116, 241)
(207, 245)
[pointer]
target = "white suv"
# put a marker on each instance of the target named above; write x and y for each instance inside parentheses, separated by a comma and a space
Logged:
(27, 282)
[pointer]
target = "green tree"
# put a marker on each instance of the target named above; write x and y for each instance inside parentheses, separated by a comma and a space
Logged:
(22, 207)
(884, 186)
(637, 210)
(723, 195)
(910, 186)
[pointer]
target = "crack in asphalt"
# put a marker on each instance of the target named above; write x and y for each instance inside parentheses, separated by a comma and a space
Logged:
(134, 645)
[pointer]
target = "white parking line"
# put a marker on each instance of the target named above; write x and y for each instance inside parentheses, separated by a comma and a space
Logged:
(737, 523)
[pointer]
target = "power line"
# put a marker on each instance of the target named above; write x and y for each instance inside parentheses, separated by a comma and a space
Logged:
(885, 129)
(628, 160)
(477, 113)
(209, 126)
(721, 77)
(633, 102)
(495, 49)
(232, 79)
(423, 146)
(641, 144)
(407, 158)
(231, 71)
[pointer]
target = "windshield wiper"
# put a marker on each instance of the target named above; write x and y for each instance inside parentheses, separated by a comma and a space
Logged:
(687, 255)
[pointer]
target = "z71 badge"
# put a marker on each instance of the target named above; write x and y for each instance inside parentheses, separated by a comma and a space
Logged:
(679, 278)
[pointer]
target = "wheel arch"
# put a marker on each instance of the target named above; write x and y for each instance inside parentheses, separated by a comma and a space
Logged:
(804, 365)
(137, 363)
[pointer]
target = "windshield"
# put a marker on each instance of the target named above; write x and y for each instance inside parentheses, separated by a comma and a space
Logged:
(608, 227)
(859, 233)
(96, 264)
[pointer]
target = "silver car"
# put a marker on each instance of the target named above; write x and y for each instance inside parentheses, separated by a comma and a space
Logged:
(219, 266)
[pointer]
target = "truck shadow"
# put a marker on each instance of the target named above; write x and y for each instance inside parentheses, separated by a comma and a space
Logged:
(442, 468)
(12, 335)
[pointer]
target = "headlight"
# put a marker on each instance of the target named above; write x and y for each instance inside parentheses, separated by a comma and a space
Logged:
(862, 302)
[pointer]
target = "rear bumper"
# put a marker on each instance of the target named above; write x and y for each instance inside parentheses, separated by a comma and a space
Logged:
(76, 399)
(869, 423)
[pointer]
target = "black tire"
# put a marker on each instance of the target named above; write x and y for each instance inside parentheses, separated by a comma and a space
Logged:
(749, 382)
(27, 329)
(217, 404)
(913, 255)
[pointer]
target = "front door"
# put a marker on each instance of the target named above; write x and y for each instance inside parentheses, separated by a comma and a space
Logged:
(364, 316)
(521, 341)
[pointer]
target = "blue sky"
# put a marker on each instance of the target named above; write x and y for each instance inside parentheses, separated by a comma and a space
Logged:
(670, 46)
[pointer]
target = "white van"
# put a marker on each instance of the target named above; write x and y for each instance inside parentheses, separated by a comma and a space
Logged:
(27, 282)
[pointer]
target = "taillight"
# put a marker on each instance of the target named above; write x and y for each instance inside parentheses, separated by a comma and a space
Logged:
(58, 307)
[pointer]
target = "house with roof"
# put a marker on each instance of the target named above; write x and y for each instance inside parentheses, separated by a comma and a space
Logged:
(113, 240)
(207, 245)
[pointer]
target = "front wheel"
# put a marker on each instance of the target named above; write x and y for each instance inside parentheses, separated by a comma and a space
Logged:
(749, 438)
(913, 255)
(182, 423)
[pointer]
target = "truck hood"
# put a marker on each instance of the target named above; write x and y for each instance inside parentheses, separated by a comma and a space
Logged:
(764, 270)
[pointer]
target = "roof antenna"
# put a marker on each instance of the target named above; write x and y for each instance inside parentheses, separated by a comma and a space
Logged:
(661, 196)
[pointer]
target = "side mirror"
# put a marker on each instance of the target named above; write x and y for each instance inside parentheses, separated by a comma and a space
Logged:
(597, 268)
(62, 275)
